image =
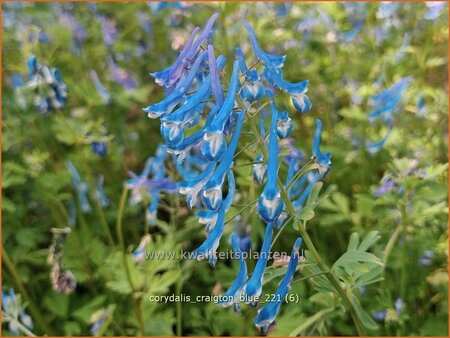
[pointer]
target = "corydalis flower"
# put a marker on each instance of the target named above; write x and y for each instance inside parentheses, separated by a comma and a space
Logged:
(270, 204)
(13, 313)
(80, 187)
(273, 74)
(385, 101)
(170, 76)
(266, 315)
(209, 247)
(323, 160)
(252, 89)
(253, 288)
(232, 295)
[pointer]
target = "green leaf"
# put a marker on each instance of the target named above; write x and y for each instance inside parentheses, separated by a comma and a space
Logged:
(314, 195)
(369, 240)
(354, 241)
(306, 214)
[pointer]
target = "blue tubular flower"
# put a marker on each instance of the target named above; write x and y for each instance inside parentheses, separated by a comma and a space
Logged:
(100, 192)
(217, 89)
(270, 204)
(284, 124)
(387, 100)
(252, 89)
(253, 288)
(80, 187)
(166, 106)
(214, 144)
(374, 147)
(276, 61)
(212, 192)
(99, 148)
(260, 169)
(188, 110)
(209, 247)
(209, 217)
(167, 77)
(32, 66)
(312, 178)
(323, 160)
(192, 185)
(266, 315)
(232, 295)
(106, 97)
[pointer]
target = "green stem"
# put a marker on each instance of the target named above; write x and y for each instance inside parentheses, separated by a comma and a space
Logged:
(119, 229)
(390, 244)
(34, 310)
(103, 222)
(291, 210)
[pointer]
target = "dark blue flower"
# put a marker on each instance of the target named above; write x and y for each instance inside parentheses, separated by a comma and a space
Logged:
(323, 160)
(99, 148)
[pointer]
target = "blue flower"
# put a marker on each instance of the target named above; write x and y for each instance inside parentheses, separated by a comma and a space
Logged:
(323, 160)
(232, 295)
(385, 101)
(270, 204)
(427, 258)
(170, 76)
(209, 247)
(266, 315)
(99, 191)
(275, 61)
(212, 192)
(374, 147)
(252, 89)
(99, 148)
(434, 9)
(120, 75)
(13, 313)
(253, 288)
(214, 144)
(312, 178)
(387, 185)
(284, 125)
(379, 315)
(80, 187)
(106, 97)
(260, 168)
(217, 89)
(167, 105)
(193, 185)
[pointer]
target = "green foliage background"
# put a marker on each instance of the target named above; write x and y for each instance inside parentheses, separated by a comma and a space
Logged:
(36, 184)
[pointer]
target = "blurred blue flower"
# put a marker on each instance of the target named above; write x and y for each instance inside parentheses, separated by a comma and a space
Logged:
(99, 148)
(120, 75)
(106, 97)
(100, 192)
(427, 258)
(386, 101)
(388, 184)
(435, 9)
(13, 313)
(267, 314)
(80, 187)
(379, 315)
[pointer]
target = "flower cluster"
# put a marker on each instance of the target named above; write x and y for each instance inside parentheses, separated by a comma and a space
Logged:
(63, 280)
(201, 125)
(13, 313)
(50, 92)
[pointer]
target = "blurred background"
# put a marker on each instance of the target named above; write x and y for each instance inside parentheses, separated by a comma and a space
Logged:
(67, 150)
